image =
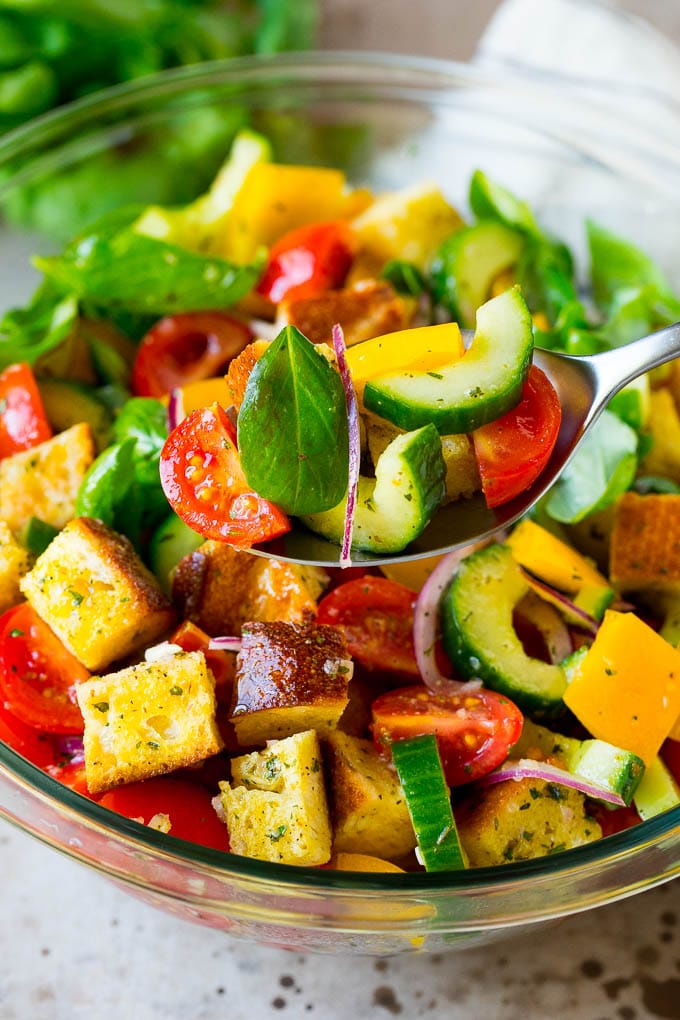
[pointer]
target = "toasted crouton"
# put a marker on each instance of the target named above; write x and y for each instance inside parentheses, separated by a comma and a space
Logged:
(289, 678)
(370, 308)
(368, 809)
(275, 806)
(96, 594)
(147, 720)
(219, 588)
(644, 554)
(13, 565)
(44, 481)
(523, 819)
(240, 368)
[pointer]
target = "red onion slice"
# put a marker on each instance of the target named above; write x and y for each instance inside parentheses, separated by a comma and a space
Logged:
(527, 768)
(546, 619)
(573, 613)
(426, 619)
(71, 747)
(354, 444)
(175, 408)
(225, 644)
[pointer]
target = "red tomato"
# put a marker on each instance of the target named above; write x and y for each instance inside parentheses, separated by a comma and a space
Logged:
(71, 775)
(376, 617)
(512, 451)
(23, 422)
(612, 820)
(670, 752)
(221, 664)
(189, 807)
(204, 483)
(308, 261)
(184, 348)
(474, 731)
(38, 675)
(26, 740)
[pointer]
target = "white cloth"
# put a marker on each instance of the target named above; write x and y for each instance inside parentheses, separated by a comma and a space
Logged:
(593, 47)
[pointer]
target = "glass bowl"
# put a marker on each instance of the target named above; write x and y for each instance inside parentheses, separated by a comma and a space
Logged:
(388, 121)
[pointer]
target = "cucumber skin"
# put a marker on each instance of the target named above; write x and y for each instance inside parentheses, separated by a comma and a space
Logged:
(473, 659)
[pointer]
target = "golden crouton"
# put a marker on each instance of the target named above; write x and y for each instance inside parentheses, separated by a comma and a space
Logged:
(368, 809)
(240, 368)
(523, 819)
(275, 807)
(44, 481)
(148, 719)
(645, 543)
(370, 308)
(96, 594)
(219, 588)
(289, 678)
(13, 565)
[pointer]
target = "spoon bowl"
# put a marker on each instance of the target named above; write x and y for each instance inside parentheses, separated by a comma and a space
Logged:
(584, 385)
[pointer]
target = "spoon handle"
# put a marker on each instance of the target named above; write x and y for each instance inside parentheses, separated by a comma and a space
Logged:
(616, 368)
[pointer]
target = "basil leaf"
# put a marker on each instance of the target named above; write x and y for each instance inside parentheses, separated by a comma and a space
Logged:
(143, 274)
(405, 277)
(491, 201)
(601, 470)
(292, 427)
(28, 333)
(107, 482)
(145, 420)
(616, 265)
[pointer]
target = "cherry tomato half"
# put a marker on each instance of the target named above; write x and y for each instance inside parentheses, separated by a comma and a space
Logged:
(185, 348)
(38, 675)
(376, 617)
(512, 451)
(613, 820)
(23, 422)
(71, 775)
(221, 664)
(26, 740)
(474, 731)
(204, 483)
(308, 261)
(188, 806)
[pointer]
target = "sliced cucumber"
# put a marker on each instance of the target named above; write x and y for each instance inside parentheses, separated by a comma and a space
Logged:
(467, 264)
(596, 761)
(428, 800)
(478, 388)
(657, 792)
(480, 639)
(171, 541)
(396, 506)
(67, 403)
(594, 600)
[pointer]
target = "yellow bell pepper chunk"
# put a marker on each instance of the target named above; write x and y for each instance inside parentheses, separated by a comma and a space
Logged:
(663, 457)
(409, 224)
(276, 198)
(412, 573)
(362, 862)
(626, 689)
(423, 349)
(553, 560)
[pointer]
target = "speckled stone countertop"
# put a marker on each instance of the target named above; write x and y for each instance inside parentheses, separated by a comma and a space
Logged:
(74, 947)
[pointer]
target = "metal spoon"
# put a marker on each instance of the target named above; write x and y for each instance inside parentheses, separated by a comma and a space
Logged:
(584, 385)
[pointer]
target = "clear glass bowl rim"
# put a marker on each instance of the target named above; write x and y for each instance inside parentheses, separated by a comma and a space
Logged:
(383, 75)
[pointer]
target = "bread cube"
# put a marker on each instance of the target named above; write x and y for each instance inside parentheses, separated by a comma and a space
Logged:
(289, 678)
(370, 308)
(523, 819)
(44, 481)
(14, 563)
(220, 588)
(275, 807)
(368, 809)
(644, 552)
(148, 719)
(96, 594)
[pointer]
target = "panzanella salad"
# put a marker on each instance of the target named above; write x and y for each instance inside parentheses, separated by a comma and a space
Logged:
(186, 380)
